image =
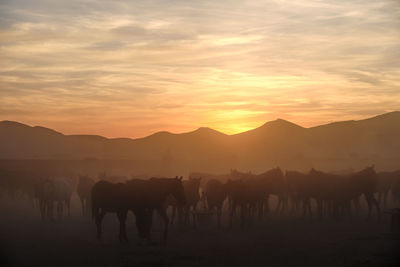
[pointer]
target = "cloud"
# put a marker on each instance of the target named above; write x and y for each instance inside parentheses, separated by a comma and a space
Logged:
(226, 64)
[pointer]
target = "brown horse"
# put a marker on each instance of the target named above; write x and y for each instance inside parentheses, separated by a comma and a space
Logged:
(255, 192)
(386, 180)
(191, 189)
(299, 191)
(244, 192)
(335, 192)
(54, 191)
(365, 182)
(273, 183)
(139, 196)
(396, 191)
(216, 193)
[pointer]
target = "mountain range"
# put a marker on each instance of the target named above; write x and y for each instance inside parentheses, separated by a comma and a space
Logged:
(353, 143)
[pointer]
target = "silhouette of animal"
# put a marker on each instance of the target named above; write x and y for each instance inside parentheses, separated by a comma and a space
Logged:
(252, 193)
(54, 191)
(299, 191)
(273, 183)
(192, 195)
(334, 192)
(396, 192)
(139, 196)
(112, 178)
(216, 193)
(83, 190)
(386, 181)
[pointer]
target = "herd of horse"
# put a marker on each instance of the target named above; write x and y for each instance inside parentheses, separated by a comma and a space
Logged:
(243, 196)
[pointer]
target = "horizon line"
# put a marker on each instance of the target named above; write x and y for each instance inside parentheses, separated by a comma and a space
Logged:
(199, 128)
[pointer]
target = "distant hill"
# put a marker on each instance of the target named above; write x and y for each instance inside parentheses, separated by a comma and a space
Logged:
(279, 142)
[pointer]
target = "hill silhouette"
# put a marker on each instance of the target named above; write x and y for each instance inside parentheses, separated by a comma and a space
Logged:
(279, 142)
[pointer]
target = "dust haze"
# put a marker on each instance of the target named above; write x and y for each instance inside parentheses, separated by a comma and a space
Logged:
(278, 195)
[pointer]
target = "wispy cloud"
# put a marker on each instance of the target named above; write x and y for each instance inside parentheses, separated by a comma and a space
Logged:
(129, 68)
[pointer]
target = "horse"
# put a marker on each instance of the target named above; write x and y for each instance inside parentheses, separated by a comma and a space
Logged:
(216, 193)
(83, 189)
(273, 182)
(337, 192)
(139, 196)
(365, 182)
(191, 190)
(108, 197)
(44, 193)
(62, 194)
(396, 191)
(386, 181)
(299, 191)
(57, 190)
(112, 179)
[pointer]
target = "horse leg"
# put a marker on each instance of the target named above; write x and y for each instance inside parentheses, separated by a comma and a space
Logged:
(348, 207)
(385, 195)
(232, 211)
(267, 205)
(83, 206)
(173, 215)
(242, 215)
(69, 206)
(194, 217)
(164, 216)
(378, 210)
(42, 207)
(50, 210)
(140, 223)
(285, 203)
(304, 208)
(186, 211)
(356, 202)
(308, 203)
(369, 202)
(122, 226)
(99, 218)
(219, 211)
(320, 209)
(59, 209)
(279, 205)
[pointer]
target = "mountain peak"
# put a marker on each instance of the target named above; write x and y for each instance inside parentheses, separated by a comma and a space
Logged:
(46, 130)
(281, 123)
(387, 116)
(13, 123)
(205, 130)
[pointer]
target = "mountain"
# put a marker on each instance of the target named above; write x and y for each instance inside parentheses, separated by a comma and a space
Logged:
(279, 142)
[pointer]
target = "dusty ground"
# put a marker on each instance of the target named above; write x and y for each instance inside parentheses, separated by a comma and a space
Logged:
(27, 241)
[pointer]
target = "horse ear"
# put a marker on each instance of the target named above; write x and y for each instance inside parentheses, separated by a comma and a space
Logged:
(180, 178)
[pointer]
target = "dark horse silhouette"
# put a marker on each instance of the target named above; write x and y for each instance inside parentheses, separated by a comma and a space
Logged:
(251, 192)
(139, 196)
(216, 193)
(54, 191)
(335, 192)
(83, 189)
(191, 189)
(299, 191)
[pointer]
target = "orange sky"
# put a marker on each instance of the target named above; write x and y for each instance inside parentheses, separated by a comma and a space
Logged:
(129, 69)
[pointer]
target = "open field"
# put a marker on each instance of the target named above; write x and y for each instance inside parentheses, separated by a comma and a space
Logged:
(28, 241)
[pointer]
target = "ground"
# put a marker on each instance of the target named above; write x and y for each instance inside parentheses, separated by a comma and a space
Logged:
(28, 241)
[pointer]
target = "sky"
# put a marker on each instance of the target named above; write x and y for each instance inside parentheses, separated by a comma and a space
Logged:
(129, 69)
